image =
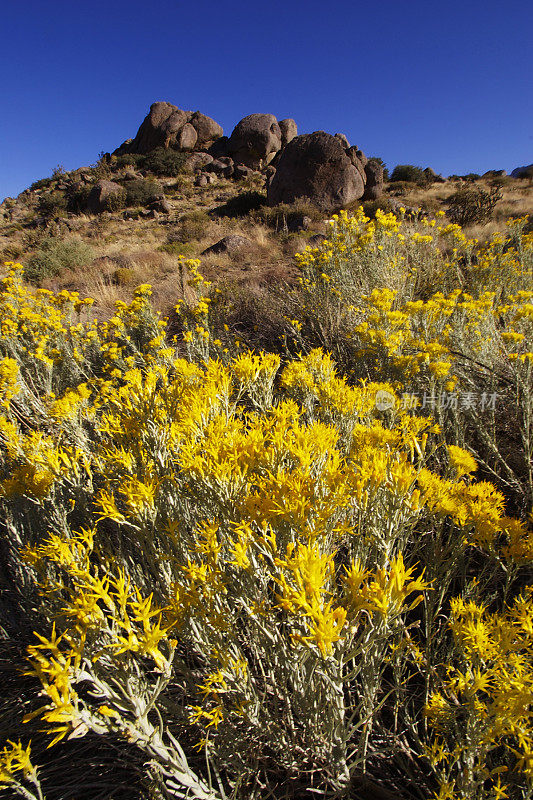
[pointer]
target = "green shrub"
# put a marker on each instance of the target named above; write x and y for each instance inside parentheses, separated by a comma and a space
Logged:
(42, 183)
(124, 276)
(470, 206)
(116, 201)
(408, 173)
(470, 177)
(383, 204)
(242, 204)
(55, 255)
(192, 226)
(128, 160)
(400, 188)
(141, 191)
(177, 249)
(165, 162)
(52, 204)
(77, 197)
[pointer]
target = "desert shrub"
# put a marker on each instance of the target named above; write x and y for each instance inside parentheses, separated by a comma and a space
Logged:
(242, 204)
(141, 191)
(217, 548)
(124, 276)
(285, 216)
(191, 226)
(400, 188)
(409, 174)
(470, 206)
(178, 248)
(11, 252)
(52, 204)
(117, 200)
(502, 181)
(370, 207)
(128, 160)
(77, 197)
(42, 183)
(56, 255)
(470, 177)
(163, 161)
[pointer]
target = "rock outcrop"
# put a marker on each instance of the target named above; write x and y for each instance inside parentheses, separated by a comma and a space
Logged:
(255, 140)
(319, 167)
(316, 167)
(523, 172)
(167, 125)
(374, 180)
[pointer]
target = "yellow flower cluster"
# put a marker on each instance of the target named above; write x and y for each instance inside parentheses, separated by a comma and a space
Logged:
(271, 523)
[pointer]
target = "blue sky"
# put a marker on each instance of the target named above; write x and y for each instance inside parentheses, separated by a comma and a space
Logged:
(447, 85)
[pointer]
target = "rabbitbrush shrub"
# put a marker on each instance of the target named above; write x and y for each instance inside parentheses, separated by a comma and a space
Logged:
(265, 575)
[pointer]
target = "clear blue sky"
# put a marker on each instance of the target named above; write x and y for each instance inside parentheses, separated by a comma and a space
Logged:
(447, 85)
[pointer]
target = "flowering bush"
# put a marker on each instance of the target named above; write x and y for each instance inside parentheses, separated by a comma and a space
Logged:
(264, 573)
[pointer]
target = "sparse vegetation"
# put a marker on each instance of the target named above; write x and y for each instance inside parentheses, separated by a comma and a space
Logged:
(141, 191)
(470, 206)
(407, 173)
(54, 256)
(162, 161)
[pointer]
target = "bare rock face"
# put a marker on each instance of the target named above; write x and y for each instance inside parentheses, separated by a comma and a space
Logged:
(288, 130)
(255, 140)
(343, 140)
(315, 166)
(167, 125)
(186, 137)
(207, 129)
(374, 180)
(523, 172)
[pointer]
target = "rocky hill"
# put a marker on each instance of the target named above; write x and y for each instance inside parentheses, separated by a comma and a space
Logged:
(244, 203)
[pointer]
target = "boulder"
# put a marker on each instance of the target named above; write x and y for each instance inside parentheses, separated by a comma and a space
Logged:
(343, 140)
(358, 159)
(100, 194)
(131, 175)
(229, 244)
(197, 161)
(374, 180)
(207, 129)
(186, 138)
(152, 133)
(162, 205)
(201, 180)
(222, 167)
(493, 173)
(316, 167)
(241, 172)
(523, 172)
(174, 124)
(167, 125)
(219, 149)
(254, 139)
(288, 130)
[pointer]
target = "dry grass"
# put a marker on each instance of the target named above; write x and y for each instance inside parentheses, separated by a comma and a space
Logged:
(146, 250)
